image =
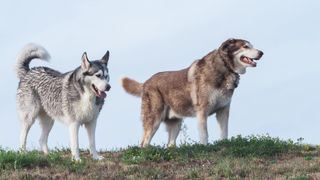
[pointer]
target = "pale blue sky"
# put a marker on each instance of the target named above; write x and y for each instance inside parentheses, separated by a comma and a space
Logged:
(279, 97)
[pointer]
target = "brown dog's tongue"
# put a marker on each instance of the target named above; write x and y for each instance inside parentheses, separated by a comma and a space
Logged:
(254, 64)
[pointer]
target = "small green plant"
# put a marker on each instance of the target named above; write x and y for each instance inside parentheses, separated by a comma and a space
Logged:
(302, 178)
(135, 155)
(308, 158)
(193, 174)
(185, 137)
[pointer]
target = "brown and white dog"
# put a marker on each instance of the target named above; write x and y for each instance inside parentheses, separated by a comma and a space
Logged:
(202, 89)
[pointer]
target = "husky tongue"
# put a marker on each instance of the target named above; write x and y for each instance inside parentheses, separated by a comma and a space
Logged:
(102, 94)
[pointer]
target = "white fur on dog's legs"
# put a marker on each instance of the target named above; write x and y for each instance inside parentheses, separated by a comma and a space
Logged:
(91, 128)
(223, 118)
(74, 143)
(27, 120)
(202, 125)
(25, 127)
(46, 124)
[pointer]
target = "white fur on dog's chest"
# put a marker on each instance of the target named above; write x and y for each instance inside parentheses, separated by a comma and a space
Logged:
(218, 99)
(86, 109)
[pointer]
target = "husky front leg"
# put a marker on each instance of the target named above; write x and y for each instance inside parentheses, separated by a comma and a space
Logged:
(91, 129)
(202, 125)
(222, 116)
(74, 142)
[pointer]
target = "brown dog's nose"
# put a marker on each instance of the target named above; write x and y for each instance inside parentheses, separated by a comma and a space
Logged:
(260, 53)
(108, 87)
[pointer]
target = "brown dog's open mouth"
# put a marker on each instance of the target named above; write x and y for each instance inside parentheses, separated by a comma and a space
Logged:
(99, 93)
(248, 60)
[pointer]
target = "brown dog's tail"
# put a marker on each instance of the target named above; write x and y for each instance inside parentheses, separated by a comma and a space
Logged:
(131, 86)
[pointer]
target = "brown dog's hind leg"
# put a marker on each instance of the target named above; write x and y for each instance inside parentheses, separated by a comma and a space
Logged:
(173, 127)
(152, 115)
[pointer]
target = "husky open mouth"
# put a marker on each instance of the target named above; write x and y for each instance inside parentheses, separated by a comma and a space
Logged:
(248, 60)
(99, 93)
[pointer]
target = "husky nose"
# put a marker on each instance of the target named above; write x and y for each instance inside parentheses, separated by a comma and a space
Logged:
(108, 87)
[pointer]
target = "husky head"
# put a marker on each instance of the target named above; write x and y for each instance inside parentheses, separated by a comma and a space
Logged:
(96, 74)
(239, 54)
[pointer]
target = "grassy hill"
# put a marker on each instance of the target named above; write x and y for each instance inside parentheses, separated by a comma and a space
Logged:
(253, 157)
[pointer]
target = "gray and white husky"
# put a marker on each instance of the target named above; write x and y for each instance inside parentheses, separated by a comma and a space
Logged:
(75, 98)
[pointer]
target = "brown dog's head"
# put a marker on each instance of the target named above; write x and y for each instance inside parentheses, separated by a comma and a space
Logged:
(239, 54)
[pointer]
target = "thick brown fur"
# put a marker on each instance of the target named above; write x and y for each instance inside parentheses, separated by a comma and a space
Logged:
(131, 86)
(204, 88)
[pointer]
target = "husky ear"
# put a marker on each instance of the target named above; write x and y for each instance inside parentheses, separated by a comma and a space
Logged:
(85, 63)
(105, 58)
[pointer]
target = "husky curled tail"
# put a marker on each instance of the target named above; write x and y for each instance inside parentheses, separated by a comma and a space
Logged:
(27, 54)
(132, 87)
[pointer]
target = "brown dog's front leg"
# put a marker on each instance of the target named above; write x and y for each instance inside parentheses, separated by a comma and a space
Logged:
(222, 116)
(202, 126)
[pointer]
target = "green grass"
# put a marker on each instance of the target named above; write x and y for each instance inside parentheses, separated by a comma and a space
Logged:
(253, 157)
(251, 146)
(12, 160)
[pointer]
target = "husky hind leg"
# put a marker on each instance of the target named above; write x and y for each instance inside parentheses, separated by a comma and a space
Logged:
(46, 124)
(26, 124)
(28, 107)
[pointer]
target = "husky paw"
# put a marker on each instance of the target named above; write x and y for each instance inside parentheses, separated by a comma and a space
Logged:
(171, 145)
(76, 159)
(98, 157)
(22, 151)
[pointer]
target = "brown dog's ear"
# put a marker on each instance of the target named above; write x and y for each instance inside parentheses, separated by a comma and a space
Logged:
(228, 45)
(225, 45)
(105, 58)
(85, 63)
(231, 40)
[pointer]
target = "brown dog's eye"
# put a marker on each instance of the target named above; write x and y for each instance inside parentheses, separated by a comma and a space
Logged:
(246, 46)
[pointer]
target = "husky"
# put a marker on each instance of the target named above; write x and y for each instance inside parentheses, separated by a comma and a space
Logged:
(200, 90)
(75, 98)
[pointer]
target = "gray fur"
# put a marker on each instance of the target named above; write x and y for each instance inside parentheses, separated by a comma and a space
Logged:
(28, 53)
(50, 95)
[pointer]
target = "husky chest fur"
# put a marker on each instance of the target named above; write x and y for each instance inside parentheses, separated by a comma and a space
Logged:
(204, 88)
(85, 107)
(75, 97)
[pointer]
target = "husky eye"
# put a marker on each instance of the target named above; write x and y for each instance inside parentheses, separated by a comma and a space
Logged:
(246, 46)
(98, 75)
